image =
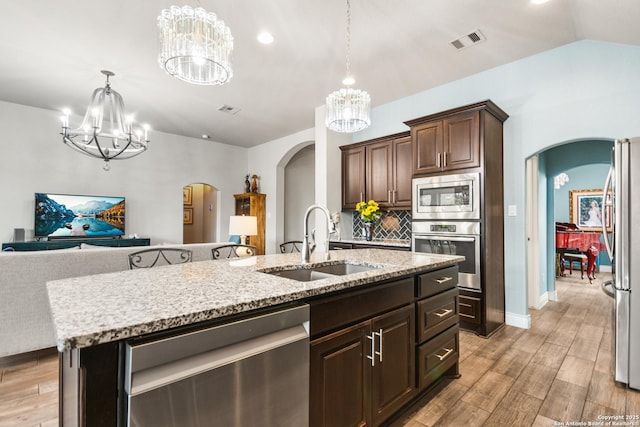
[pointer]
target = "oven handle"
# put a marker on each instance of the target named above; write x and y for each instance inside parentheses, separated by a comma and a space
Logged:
(452, 238)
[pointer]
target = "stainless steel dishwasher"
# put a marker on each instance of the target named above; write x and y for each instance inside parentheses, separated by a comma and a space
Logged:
(252, 372)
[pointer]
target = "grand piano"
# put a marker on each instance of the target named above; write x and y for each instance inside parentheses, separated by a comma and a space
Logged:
(572, 241)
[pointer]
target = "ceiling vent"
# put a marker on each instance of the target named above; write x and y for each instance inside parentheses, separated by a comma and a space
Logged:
(228, 109)
(470, 39)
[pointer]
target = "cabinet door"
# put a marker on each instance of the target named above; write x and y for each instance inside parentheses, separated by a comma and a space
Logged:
(393, 371)
(462, 141)
(402, 171)
(340, 378)
(353, 177)
(427, 147)
(379, 184)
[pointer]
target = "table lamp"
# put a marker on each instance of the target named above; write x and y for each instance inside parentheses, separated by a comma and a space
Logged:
(243, 226)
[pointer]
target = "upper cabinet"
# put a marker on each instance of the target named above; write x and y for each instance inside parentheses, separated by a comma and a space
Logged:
(379, 169)
(452, 139)
(353, 175)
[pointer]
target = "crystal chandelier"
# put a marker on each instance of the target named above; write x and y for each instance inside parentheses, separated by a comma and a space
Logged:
(104, 133)
(348, 109)
(195, 46)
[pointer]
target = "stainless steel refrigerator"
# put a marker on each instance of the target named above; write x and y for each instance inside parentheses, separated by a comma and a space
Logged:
(622, 196)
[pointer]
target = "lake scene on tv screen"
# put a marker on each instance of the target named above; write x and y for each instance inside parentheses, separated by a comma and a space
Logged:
(62, 215)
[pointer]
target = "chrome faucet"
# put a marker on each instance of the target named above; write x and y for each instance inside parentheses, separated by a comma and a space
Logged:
(331, 228)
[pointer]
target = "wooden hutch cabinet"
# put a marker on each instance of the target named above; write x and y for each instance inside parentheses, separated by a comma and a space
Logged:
(379, 169)
(253, 204)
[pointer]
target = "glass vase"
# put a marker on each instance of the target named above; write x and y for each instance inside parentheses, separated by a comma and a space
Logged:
(367, 231)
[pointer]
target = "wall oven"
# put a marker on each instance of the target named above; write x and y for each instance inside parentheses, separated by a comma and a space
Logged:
(455, 196)
(451, 238)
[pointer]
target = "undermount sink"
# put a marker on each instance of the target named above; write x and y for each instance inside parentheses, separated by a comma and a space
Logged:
(304, 273)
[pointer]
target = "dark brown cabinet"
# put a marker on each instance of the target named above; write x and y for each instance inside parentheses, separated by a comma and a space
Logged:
(402, 161)
(353, 176)
(363, 374)
(388, 179)
(437, 326)
(468, 139)
(470, 309)
(378, 169)
(375, 350)
(446, 144)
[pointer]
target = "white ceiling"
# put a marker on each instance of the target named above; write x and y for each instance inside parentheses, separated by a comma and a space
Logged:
(52, 53)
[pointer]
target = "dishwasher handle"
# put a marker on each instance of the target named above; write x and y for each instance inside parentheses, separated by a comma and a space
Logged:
(147, 354)
(159, 376)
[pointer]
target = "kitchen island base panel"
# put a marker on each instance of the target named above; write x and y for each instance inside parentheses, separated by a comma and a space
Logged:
(94, 383)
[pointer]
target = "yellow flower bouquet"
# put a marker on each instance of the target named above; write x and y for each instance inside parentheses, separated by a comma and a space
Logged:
(369, 211)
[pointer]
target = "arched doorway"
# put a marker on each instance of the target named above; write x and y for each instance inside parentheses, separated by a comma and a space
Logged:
(299, 190)
(586, 161)
(199, 213)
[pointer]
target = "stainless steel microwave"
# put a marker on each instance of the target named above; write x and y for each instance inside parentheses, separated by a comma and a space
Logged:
(455, 196)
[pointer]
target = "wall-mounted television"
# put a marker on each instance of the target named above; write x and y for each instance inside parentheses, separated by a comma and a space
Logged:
(77, 216)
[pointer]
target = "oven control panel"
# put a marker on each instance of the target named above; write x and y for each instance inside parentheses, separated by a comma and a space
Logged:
(443, 228)
(470, 228)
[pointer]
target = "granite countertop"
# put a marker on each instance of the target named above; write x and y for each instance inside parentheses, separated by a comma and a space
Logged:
(386, 242)
(108, 307)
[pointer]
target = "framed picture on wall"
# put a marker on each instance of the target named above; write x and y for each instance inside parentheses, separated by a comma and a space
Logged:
(588, 211)
(186, 195)
(187, 216)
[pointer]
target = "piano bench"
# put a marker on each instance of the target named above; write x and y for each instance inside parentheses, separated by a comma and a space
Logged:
(571, 258)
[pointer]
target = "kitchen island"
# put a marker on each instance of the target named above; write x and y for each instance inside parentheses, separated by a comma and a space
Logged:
(97, 316)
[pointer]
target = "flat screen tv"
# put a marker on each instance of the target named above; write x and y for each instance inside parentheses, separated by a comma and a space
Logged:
(66, 215)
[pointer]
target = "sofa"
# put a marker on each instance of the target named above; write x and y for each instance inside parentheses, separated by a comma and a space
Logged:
(25, 319)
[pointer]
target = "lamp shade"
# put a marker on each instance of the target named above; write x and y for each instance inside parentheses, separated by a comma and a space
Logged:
(243, 225)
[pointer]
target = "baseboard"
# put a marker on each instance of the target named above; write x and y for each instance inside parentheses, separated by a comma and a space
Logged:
(605, 268)
(518, 320)
(553, 295)
(542, 300)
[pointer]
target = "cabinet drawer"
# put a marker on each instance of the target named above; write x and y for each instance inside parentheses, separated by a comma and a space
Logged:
(436, 314)
(437, 281)
(469, 309)
(335, 312)
(436, 356)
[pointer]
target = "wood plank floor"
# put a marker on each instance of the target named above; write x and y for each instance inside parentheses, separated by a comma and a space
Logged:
(557, 371)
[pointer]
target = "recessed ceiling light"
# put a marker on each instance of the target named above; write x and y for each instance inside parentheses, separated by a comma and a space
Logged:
(205, 136)
(265, 37)
(539, 1)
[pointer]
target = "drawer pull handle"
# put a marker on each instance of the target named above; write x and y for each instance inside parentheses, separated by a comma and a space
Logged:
(442, 280)
(444, 313)
(372, 337)
(448, 352)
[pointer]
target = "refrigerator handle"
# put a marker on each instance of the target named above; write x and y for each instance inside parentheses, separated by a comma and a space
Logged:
(607, 183)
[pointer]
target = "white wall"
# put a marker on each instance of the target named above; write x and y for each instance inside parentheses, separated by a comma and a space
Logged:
(299, 191)
(35, 160)
(585, 90)
(268, 161)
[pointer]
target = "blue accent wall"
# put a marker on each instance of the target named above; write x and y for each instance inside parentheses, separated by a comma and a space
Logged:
(583, 91)
(587, 164)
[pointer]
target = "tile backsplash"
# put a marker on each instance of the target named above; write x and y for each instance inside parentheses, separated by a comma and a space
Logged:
(393, 225)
